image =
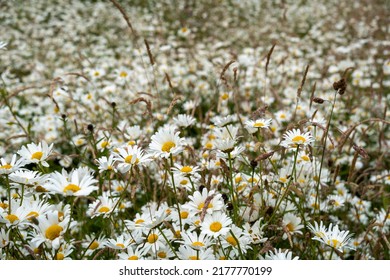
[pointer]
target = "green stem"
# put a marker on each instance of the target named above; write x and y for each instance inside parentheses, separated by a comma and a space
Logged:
(317, 201)
(169, 243)
(176, 194)
(234, 202)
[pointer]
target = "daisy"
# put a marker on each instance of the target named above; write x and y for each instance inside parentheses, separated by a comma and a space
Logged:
(27, 177)
(79, 182)
(131, 254)
(138, 224)
(235, 238)
(35, 208)
(133, 133)
(293, 138)
(185, 170)
(92, 244)
(318, 230)
(63, 253)
(183, 120)
(254, 126)
(130, 156)
(36, 153)
(155, 240)
(16, 217)
(106, 164)
(187, 253)
(335, 238)
(51, 228)
(9, 167)
(196, 241)
(198, 199)
(166, 142)
(216, 224)
(279, 255)
(103, 206)
(292, 224)
(119, 243)
(4, 238)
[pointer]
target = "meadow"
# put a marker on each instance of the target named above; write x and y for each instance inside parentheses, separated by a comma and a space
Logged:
(201, 130)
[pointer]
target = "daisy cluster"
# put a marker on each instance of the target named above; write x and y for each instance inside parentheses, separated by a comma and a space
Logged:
(194, 130)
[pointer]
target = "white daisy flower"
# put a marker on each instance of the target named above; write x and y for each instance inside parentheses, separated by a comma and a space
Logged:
(79, 182)
(216, 224)
(335, 238)
(7, 167)
(187, 253)
(295, 137)
(198, 199)
(106, 164)
(279, 255)
(292, 224)
(36, 153)
(131, 254)
(104, 205)
(183, 120)
(166, 142)
(254, 126)
(130, 156)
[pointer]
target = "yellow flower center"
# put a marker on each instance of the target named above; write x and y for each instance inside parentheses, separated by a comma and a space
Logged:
(120, 245)
(162, 255)
(12, 218)
(133, 258)
(186, 169)
(305, 158)
(104, 209)
(184, 214)
(60, 256)
(139, 221)
(334, 243)
(128, 158)
(37, 155)
(184, 29)
(183, 182)
(3, 205)
(290, 227)
(53, 231)
(6, 166)
(104, 144)
(152, 238)
(193, 258)
(225, 96)
(198, 244)
(201, 205)
(283, 179)
(215, 226)
(299, 139)
(259, 124)
(71, 187)
(123, 74)
(231, 240)
(93, 245)
(209, 145)
(167, 146)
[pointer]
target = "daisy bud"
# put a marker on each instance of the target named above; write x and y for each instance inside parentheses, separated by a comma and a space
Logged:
(318, 100)
(253, 163)
(90, 127)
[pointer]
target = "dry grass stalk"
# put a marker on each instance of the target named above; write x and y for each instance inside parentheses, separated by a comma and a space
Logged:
(269, 57)
(151, 59)
(312, 94)
(146, 101)
(173, 103)
(206, 206)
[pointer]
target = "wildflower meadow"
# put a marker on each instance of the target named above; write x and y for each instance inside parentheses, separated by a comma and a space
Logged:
(194, 130)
